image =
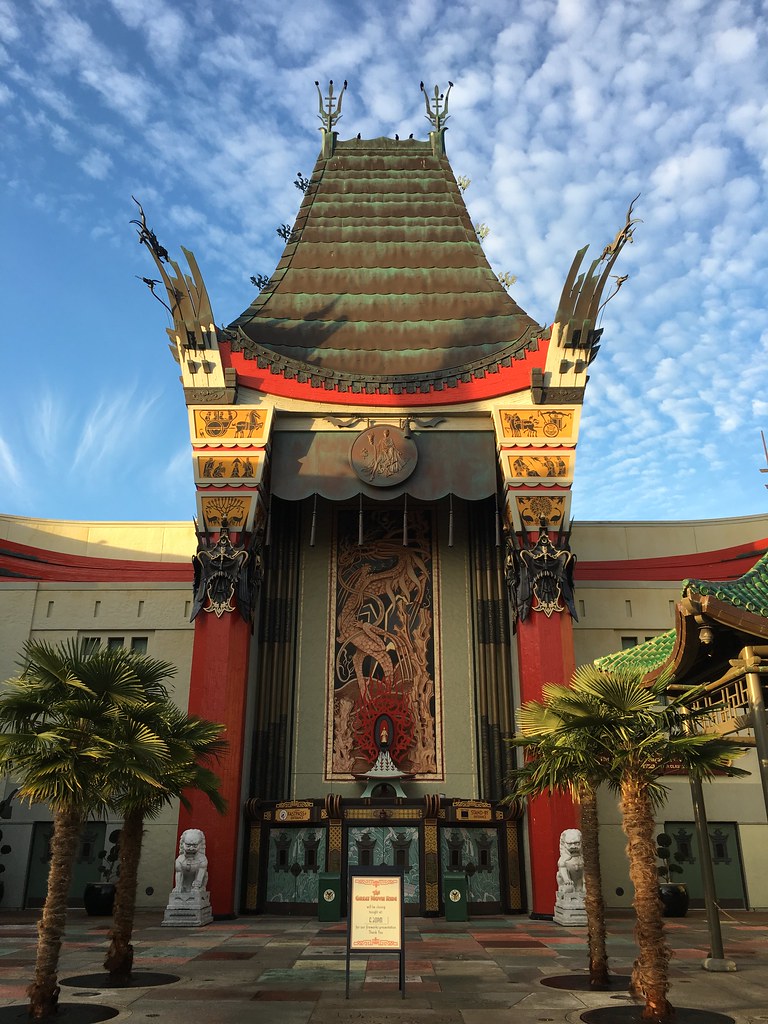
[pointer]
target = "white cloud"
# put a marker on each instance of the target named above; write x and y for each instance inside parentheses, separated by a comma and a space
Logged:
(96, 164)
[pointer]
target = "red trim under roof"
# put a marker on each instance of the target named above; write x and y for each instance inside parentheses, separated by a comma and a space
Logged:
(507, 380)
(18, 561)
(725, 564)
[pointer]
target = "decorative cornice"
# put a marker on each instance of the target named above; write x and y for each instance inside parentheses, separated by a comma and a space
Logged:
(383, 384)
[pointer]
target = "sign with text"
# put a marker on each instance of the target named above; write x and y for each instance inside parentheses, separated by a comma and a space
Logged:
(376, 922)
(375, 912)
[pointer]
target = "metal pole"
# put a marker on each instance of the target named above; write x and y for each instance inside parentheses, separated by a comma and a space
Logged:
(716, 960)
(757, 711)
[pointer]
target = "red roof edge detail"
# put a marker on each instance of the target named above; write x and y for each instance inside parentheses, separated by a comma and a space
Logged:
(506, 381)
(723, 565)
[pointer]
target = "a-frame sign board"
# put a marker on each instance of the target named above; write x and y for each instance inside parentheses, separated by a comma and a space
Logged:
(376, 917)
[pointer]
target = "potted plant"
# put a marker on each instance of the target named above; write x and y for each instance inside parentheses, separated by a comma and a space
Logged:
(99, 897)
(674, 895)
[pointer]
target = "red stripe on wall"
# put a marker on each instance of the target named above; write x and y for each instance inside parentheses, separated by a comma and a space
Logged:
(18, 561)
(723, 565)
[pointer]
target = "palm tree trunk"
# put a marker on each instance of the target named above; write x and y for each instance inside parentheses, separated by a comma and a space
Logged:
(119, 959)
(44, 990)
(652, 965)
(593, 884)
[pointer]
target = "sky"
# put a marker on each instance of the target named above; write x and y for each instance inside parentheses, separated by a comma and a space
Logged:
(562, 112)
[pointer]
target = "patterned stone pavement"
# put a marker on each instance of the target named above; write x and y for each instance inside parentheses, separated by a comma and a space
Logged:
(292, 970)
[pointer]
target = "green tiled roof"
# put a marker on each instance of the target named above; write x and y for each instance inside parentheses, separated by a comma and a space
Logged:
(383, 274)
(644, 657)
(750, 592)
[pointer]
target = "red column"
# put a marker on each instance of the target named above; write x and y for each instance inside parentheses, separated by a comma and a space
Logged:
(545, 655)
(217, 691)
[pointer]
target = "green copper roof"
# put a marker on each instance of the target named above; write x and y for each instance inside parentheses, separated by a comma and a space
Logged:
(384, 274)
(749, 592)
(643, 657)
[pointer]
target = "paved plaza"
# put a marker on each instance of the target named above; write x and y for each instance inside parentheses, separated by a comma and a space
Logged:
(287, 970)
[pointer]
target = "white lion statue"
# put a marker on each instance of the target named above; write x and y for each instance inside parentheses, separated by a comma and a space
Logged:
(570, 866)
(191, 864)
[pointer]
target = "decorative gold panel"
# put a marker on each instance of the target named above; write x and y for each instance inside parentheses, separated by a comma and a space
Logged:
(242, 468)
(549, 466)
(532, 508)
(334, 845)
(538, 423)
(252, 887)
(216, 508)
(230, 424)
(431, 868)
(393, 813)
(513, 867)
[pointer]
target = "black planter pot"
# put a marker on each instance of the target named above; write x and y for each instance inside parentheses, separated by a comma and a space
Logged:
(674, 896)
(99, 899)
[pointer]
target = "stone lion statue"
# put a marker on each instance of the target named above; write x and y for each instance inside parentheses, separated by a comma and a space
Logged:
(191, 864)
(570, 866)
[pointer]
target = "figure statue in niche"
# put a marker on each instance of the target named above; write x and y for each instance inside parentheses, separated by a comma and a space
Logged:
(191, 864)
(384, 769)
(569, 902)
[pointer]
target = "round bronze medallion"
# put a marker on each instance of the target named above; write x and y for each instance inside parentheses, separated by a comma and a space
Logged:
(383, 456)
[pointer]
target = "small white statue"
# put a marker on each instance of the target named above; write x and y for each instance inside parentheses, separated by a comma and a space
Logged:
(189, 904)
(191, 864)
(569, 902)
(570, 866)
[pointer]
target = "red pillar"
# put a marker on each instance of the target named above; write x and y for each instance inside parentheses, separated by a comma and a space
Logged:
(545, 655)
(217, 691)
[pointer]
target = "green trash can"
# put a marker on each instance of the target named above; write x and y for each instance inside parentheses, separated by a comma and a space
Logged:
(329, 896)
(455, 897)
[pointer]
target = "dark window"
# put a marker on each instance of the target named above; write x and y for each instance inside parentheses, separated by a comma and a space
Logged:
(139, 644)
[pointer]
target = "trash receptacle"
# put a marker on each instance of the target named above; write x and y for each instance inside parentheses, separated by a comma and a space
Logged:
(455, 897)
(329, 896)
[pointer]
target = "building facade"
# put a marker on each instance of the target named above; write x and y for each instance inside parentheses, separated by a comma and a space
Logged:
(383, 567)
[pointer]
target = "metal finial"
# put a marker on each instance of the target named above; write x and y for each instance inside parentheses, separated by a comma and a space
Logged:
(437, 115)
(331, 115)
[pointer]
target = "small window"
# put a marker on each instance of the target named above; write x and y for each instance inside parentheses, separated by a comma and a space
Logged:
(455, 859)
(627, 642)
(483, 858)
(139, 644)
(365, 858)
(91, 644)
(400, 858)
(115, 641)
(282, 857)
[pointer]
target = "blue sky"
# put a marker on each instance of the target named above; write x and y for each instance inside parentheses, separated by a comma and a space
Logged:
(561, 113)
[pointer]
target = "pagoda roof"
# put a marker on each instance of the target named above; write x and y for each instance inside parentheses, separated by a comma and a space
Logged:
(740, 606)
(383, 279)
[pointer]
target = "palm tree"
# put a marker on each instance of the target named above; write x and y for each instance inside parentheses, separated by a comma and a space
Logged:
(191, 742)
(59, 726)
(556, 763)
(634, 738)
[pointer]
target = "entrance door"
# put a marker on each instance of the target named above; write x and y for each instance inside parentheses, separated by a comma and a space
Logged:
(725, 851)
(86, 869)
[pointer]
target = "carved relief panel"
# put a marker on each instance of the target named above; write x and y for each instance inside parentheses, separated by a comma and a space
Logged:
(383, 646)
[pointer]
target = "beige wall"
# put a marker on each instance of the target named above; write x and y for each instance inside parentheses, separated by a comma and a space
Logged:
(56, 611)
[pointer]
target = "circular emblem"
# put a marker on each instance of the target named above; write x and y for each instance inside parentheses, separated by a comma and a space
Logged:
(454, 895)
(283, 815)
(329, 895)
(383, 456)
